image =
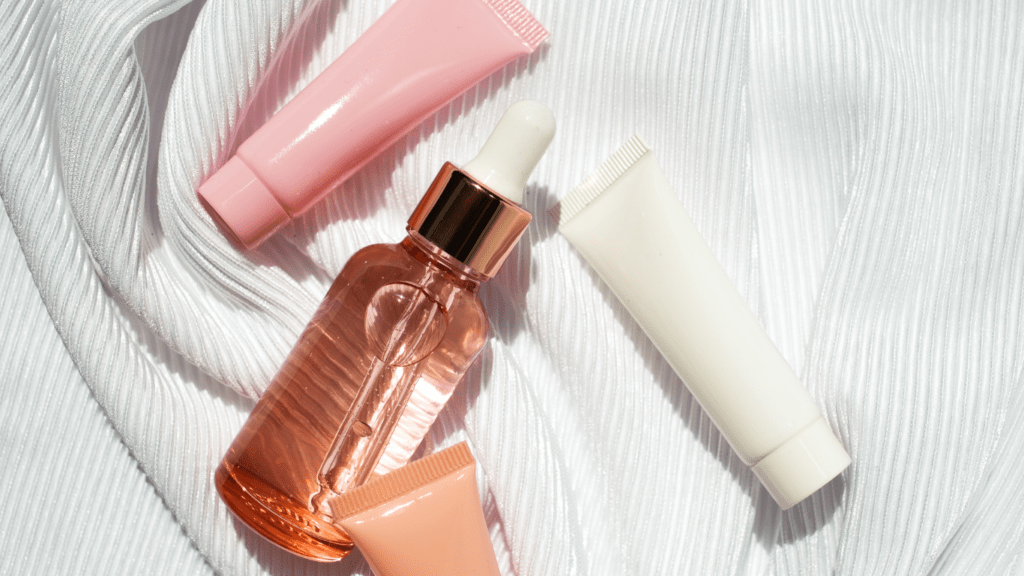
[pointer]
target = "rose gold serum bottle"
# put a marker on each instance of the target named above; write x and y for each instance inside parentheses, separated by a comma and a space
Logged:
(383, 353)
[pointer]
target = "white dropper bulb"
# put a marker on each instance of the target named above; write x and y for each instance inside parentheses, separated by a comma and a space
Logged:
(513, 149)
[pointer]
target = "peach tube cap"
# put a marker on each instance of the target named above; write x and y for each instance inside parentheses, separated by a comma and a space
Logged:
(423, 519)
(244, 206)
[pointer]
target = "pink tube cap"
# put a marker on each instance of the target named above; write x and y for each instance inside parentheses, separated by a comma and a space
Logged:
(241, 204)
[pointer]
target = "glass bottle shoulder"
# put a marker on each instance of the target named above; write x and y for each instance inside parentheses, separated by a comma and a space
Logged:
(378, 265)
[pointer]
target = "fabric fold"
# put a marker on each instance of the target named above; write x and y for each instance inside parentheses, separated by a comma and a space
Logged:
(855, 167)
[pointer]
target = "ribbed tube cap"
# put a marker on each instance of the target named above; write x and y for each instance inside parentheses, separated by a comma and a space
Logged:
(241, 204)
(802, 465)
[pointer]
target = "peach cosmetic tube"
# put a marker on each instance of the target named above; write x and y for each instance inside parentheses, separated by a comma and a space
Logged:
(422, 519)
(417, 57)
(627, 223)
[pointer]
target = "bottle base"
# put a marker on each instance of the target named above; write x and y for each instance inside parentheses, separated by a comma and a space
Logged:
(278, 519)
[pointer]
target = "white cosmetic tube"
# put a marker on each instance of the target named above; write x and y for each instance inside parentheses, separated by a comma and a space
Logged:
(627, 223)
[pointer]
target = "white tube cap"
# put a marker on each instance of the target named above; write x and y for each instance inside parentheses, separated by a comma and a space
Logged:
(802, 465)
(513, 149)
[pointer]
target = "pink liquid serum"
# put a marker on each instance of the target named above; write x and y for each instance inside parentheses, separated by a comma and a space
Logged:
(385, 350)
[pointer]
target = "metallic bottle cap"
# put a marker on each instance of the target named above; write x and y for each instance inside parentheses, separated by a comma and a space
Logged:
(468, 220)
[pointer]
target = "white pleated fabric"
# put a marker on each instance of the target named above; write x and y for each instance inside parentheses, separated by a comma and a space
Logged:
(857, 167)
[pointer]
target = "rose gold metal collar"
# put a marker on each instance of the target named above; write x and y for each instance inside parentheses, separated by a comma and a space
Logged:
(469, 221)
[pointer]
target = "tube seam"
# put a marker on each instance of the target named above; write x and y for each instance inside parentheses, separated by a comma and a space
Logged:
(600, 179)
(520, 21)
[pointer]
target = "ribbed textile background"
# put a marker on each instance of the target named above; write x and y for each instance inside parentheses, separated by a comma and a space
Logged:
(857, 166)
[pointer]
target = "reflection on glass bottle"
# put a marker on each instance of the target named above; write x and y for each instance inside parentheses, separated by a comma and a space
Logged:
(392, 338)
(396, 332)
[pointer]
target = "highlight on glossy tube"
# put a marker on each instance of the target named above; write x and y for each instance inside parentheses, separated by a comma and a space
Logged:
(628, 225)
(417, 57)
(422, 519)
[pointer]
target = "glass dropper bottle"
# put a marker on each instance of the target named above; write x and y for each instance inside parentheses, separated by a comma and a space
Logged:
(395, 333)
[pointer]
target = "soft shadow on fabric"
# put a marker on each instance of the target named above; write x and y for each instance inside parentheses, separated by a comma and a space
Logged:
(159, 49)
(504, 296)
(274, 560)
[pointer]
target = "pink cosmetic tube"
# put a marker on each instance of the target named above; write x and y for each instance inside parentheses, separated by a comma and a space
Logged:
(422, 519)
(417, 57)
